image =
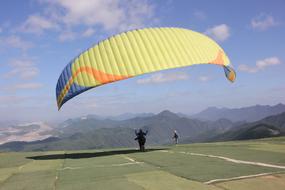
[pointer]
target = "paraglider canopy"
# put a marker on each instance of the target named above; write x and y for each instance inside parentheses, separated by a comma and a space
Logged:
(138, 52)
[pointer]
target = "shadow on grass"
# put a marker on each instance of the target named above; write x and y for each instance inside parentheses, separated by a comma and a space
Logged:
(89, 154)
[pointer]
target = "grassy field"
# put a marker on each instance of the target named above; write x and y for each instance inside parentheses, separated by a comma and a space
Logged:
(216, 166)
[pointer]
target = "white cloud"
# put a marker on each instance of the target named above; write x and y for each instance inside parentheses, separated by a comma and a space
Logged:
(268, 62)
(220, 32)
(109, 15)
(263, 22)
(23, 68)
(200, 15)
(37, 24)
(204, 78)
(22, 86)
(106, 13)
(260, 65)
(25, 86)
(137, 14)
(67, 36)
(247, 68)
(23, 73)
(24, 62)
(8, 100)
(89, 32)
(15, 42)
(162, 78)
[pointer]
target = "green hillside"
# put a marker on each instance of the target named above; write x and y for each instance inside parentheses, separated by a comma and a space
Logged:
(185, 166)
(272, 126)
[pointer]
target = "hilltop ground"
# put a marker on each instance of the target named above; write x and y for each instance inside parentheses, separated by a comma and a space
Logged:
(218, 166)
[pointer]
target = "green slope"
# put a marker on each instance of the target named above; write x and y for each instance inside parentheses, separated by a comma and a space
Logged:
(173, 167)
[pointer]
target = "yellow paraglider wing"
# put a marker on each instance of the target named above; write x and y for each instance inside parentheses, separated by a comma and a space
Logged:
(135, 53)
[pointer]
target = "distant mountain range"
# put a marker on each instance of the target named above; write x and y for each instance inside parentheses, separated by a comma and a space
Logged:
(92, 131)
(271, 126)
(86, 133)
(248, 114)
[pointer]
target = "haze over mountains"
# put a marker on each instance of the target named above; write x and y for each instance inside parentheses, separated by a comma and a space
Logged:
(249, 114)
(96, 132)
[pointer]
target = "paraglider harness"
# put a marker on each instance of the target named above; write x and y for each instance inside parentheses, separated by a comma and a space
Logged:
(141, 139)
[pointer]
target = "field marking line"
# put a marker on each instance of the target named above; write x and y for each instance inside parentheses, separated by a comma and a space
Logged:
(235, 160)
(69, 168)
(128, 158)
(14, 173)
(22, 166)
(230, 159)
(57, 173)
(168, 151)
(238, 178)
(100, 166)
(132, 160)
(128, 163)
(163, 151)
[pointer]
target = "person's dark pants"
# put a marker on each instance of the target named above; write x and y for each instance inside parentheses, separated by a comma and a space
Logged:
(141, 143)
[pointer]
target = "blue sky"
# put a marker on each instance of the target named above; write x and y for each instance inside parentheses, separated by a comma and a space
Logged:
(39, 37)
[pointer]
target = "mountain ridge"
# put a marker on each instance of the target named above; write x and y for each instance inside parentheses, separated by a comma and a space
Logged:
(242, 132)
(91, 132)
(249, 113)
